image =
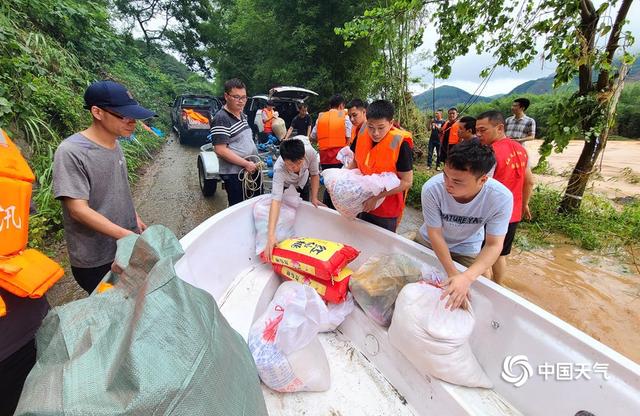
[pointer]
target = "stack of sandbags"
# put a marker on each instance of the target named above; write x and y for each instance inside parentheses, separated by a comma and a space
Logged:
(320, 264)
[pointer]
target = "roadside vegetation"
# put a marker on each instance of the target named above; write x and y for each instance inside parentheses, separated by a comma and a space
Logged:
(49, 54)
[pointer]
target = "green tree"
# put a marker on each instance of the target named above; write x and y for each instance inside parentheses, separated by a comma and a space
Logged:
(268, 43)
(176, 24)
(570, 31)
(395, 28)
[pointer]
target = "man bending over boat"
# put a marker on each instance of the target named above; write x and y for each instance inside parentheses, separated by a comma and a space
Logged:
(379, 148)
(458, 206)
(297, 165)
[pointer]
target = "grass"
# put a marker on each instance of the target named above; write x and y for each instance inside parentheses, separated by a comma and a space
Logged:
(598, 225)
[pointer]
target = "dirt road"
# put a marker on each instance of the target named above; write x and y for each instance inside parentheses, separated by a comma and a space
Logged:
(168, 193)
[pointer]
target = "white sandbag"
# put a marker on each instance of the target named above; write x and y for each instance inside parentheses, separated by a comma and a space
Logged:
(434, 339)
(284, 341)
(279, 128)
(284, 228)
(257, 120)
(345, 156)
(349, 188)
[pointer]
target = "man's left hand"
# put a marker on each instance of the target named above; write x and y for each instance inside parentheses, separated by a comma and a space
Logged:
(141, 225)
(316, 203)
(526, 213)
(370, 204)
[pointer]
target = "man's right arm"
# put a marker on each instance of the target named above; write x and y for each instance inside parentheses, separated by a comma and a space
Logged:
(441, 249)
(314, 133)
(230, 156)
(80, 211)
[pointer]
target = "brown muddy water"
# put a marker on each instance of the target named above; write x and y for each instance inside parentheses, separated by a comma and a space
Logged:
(599, 295)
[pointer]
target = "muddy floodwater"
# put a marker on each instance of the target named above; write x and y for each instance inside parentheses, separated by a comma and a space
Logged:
(595, 293)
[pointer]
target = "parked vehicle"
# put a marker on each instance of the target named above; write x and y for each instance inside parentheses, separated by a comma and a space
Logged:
(191, 115)
(208, 166)
(286, 101)
(525, 351)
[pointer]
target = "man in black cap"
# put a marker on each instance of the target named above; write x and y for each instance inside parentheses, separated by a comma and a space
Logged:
(90, 179)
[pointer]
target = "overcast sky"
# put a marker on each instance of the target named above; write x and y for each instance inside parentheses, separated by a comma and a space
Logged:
(465, 70)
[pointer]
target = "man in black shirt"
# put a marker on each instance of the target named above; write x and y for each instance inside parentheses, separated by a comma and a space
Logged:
(301, 123)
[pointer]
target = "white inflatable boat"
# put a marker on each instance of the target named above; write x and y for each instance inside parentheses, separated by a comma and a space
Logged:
(539, 364)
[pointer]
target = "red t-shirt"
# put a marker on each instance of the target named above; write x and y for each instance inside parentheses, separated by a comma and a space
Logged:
(328, 156)
(511, 166)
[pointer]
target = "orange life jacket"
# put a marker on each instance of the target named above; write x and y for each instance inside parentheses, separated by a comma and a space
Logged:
(268, 121)
(25, 273)
(453, 132)
(331, 132)
(383, 158)
(355, 131)
(194, 115)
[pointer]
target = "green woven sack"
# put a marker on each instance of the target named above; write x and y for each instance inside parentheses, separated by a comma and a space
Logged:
(151, 345)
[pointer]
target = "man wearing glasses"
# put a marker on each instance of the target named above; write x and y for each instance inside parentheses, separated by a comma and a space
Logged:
(232, 140)
(90, 179)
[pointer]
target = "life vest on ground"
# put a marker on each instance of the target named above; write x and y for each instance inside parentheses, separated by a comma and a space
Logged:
(25, 273)
(331, 131)
(383, 158)
(267, 123)
(452, 129)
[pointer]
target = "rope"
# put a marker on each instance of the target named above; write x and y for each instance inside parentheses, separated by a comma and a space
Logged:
(252, 182)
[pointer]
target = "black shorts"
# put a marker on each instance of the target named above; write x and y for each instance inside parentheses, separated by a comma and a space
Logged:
(508, 238)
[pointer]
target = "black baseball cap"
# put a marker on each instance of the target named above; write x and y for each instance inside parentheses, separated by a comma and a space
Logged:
(115, 97)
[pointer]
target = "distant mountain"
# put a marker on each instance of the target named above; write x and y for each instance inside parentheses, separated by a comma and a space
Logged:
(446, 96)
(545, 85)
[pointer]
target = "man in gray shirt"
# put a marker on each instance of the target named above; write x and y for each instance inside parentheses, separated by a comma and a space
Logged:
(90, 179)
(297, 163)
(232, 140)
(458, 206)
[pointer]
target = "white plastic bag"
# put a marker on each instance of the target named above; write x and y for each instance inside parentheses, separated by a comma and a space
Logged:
(349, 188)
(345, 156)
(284, 341)
(278, 127)
(434, 339)
(337, 313)
(284, 228)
